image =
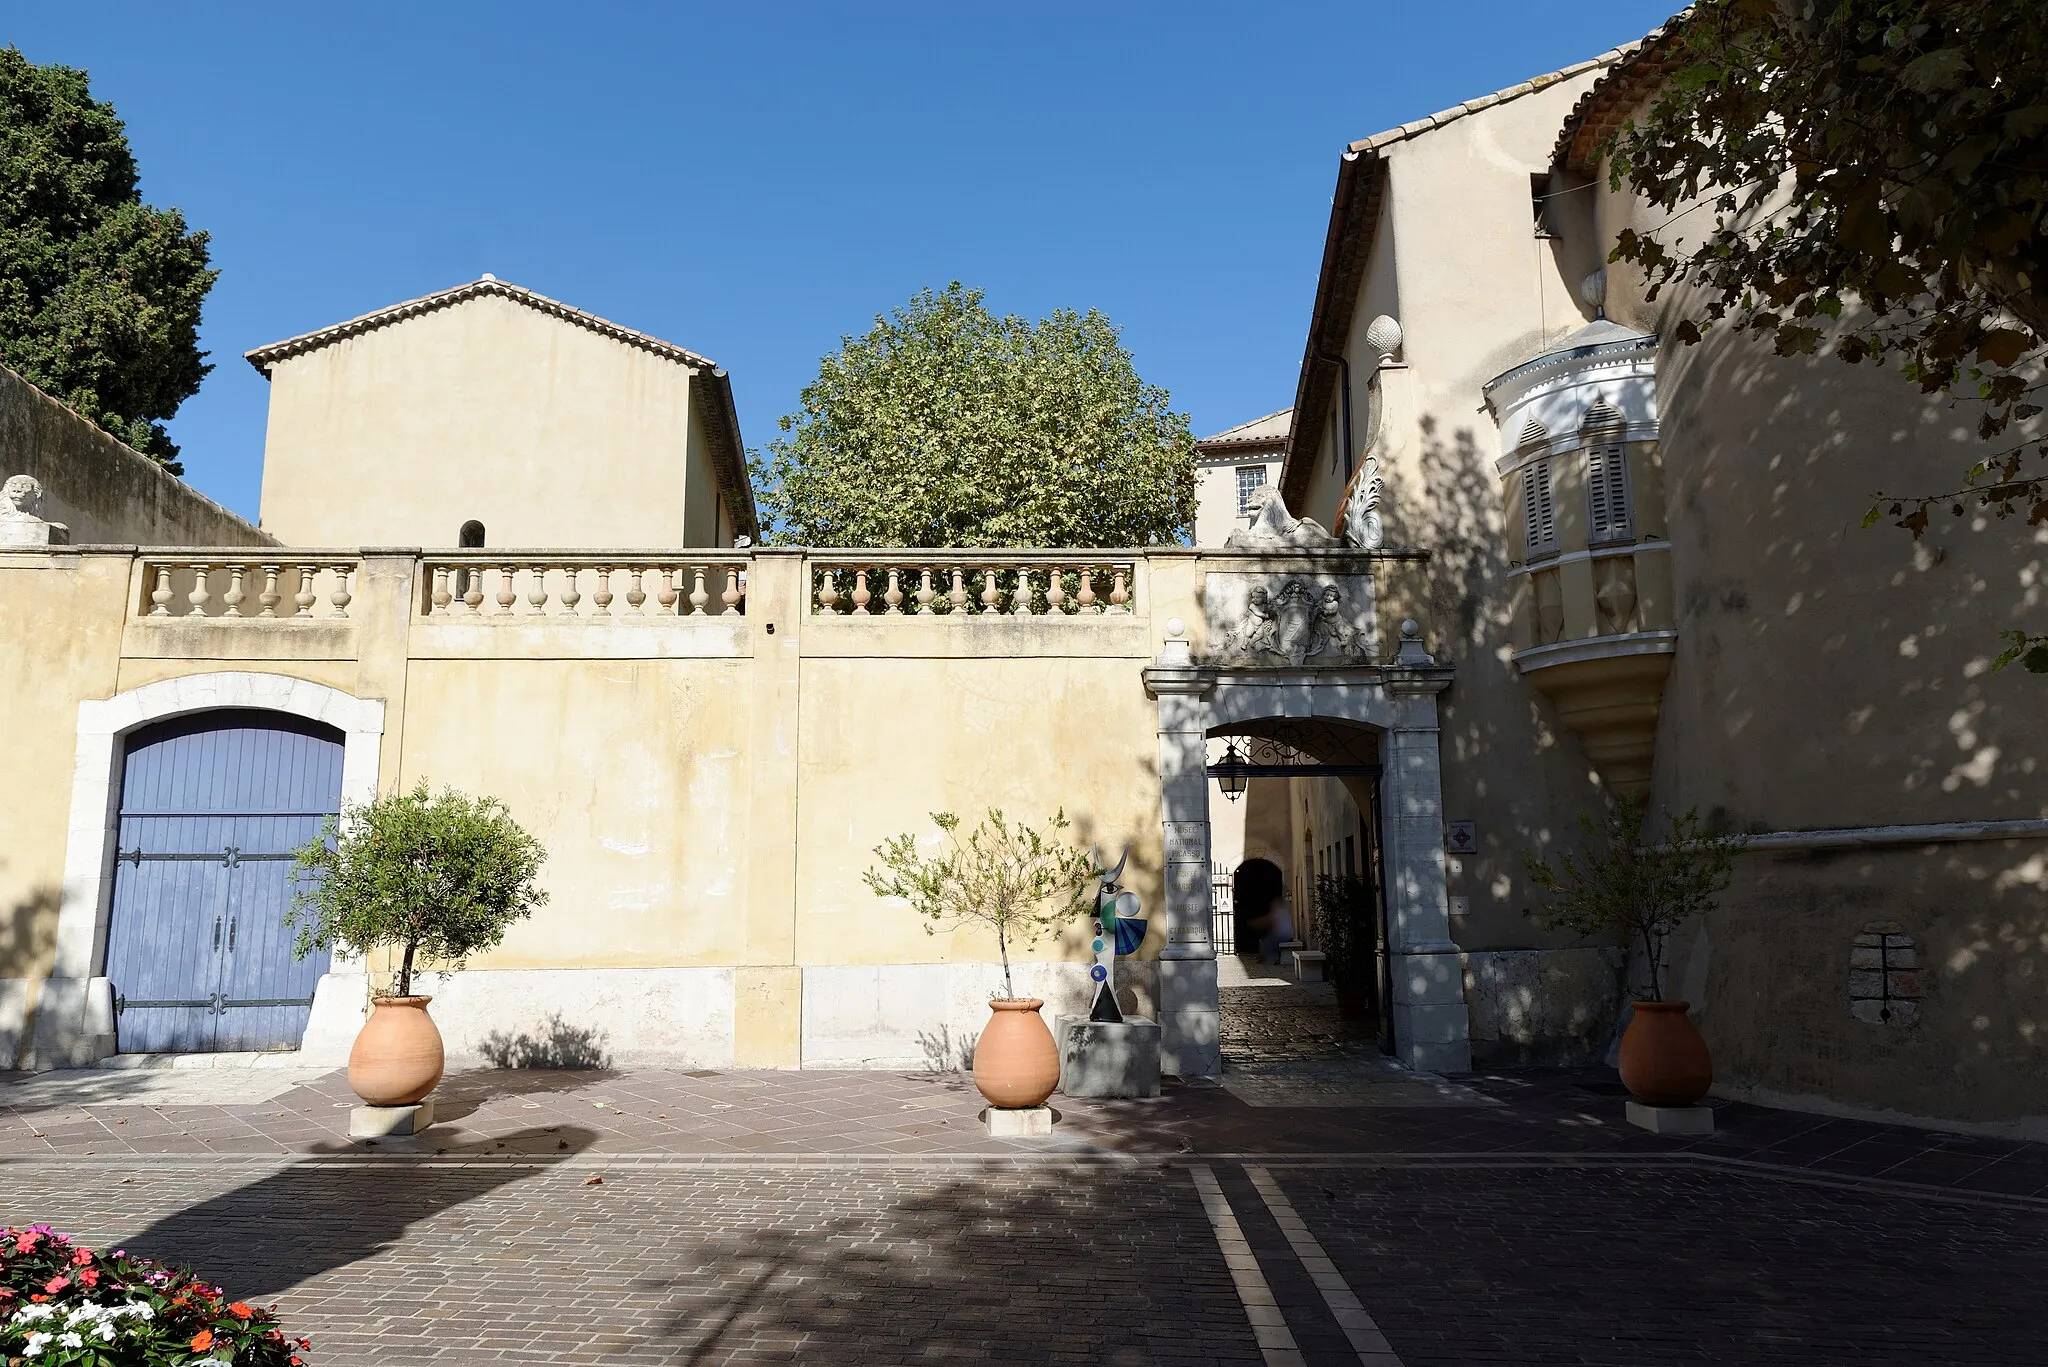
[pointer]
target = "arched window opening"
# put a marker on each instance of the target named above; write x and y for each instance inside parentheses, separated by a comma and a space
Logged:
(1608, 513)
(471, 537)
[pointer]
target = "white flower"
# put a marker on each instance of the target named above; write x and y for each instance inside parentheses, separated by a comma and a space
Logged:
(34, 1347)
(141, 1311)
(30, 1314)
(70, 1341)
(105, 1331)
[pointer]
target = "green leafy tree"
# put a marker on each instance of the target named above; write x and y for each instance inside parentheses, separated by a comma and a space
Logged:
(437, 878)
(945, 425)
(1618, 884)
(99, 292)
(1021, 883)
(1890, 151)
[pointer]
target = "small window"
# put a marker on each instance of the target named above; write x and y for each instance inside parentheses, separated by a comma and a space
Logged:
(471, 537)
(1351, 855)
(1607, 476)
(1539, 511)
(1249, 477)
(1539, 199)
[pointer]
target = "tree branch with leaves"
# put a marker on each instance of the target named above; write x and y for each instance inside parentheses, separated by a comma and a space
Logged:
(1618, 884)
(1005, 875)
(945, 425)
(1887, 153)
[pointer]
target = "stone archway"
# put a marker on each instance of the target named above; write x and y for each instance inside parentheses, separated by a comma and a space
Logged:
(1397, 700)
(74, 1024)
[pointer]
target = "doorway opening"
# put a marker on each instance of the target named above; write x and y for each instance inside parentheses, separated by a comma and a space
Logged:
(1294, 812)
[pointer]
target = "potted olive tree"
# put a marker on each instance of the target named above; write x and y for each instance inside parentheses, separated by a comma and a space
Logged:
(1619, 884)
(1024, 885)
(434, 878)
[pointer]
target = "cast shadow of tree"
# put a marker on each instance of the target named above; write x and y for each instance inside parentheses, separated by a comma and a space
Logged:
(1027, 1267)
(554, 1043)
(297, 1222)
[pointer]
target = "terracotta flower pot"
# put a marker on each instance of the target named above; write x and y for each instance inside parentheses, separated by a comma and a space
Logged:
(1016, 1064)
(397, 1058)
(1664, 1060)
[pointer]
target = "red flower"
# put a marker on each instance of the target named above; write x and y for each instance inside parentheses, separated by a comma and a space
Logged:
(81, 1257)
(202, 1340)
(90, 1277)
(39, 1298)
(241, 1310)
(26, 1241)
(56, 1284)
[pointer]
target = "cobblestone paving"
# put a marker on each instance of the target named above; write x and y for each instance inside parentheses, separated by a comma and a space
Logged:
(1631, 1267)
(865, 1218)
(398, 1261)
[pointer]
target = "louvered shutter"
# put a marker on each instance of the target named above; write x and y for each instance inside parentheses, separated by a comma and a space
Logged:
(1539, 513)
(1607, 475)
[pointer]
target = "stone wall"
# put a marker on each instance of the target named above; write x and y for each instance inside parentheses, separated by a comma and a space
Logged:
(107, 493)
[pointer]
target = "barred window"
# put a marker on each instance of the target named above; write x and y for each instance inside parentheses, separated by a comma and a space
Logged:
(1249, 477)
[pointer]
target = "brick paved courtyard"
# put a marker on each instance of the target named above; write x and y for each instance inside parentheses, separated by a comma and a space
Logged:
(1319, 1209)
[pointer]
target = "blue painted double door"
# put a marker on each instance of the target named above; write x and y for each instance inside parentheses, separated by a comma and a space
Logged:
(198, 953)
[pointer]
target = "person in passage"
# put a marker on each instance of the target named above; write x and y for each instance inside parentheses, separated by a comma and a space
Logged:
(1275, 926)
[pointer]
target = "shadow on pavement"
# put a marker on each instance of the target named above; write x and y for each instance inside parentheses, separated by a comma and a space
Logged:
(1083, 1265)
(297, 1222)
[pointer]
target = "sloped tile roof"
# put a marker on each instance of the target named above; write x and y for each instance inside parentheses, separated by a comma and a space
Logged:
(1270, 430)
(1601, 111)
(264, 357)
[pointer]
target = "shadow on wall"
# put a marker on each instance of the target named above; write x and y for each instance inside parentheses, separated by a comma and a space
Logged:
(28, 933)
(944, 1052)
(554, 1043)
(266, 1237)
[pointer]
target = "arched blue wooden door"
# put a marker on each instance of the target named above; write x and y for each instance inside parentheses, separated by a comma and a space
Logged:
(197, 950)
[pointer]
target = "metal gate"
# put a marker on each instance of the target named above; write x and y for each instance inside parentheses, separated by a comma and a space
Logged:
(1222, 909)
(212, 806)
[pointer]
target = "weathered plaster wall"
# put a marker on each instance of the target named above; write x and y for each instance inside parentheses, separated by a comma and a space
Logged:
(548, 433)
(103, 490)
(1458, 263)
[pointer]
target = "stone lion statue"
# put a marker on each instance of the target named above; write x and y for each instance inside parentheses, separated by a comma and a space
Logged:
(1272, 525)
(21, 500)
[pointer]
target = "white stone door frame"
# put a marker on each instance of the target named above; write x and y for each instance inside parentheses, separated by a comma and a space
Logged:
(75, 1012)
(1397, 700)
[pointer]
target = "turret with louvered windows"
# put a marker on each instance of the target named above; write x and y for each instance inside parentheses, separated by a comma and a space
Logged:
(1583, 487)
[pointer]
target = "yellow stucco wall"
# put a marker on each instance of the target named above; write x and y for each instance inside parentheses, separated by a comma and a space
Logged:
(548, 433)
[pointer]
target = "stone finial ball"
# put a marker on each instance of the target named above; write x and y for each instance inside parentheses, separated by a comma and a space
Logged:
(1383, 335)
(1593, 289)
(1176, 627)
(1410, 627)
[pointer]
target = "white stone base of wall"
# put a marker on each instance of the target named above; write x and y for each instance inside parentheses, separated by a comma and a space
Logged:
(882, 1016)
(14, 995)
(585, 1017)
(1542, 1005)
(927, 1016)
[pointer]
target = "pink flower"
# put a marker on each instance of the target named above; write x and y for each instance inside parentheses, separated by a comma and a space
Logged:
(56, 1284)
(81, 1257)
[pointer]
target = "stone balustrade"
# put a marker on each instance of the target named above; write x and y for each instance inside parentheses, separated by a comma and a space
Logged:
(290, 586)
(510, 586)
(1068, 584)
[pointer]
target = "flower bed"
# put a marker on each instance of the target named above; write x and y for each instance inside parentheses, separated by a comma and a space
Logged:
(63, 1305)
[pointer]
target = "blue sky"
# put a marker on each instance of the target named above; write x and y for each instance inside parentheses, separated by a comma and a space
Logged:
(755, 181)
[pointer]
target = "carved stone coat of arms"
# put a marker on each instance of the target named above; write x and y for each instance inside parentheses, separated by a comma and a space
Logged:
(1298, 623)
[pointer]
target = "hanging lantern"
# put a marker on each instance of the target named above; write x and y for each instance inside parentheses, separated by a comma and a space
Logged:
(1230, 773)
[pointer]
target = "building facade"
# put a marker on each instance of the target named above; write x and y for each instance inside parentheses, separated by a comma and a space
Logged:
(1511, 552)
